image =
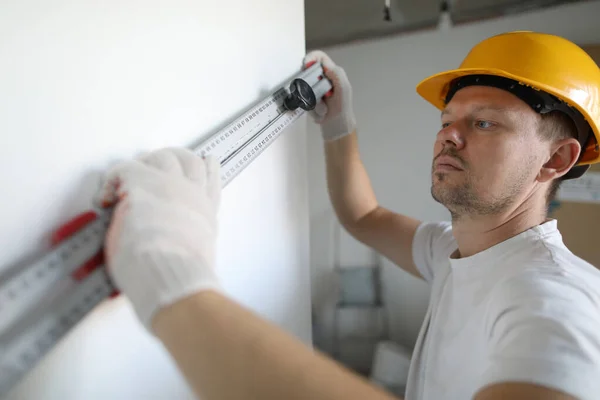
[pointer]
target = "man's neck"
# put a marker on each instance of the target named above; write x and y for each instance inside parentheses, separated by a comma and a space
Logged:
(475, 234)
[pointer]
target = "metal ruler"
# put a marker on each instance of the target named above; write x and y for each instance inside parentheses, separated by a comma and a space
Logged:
(41, 302)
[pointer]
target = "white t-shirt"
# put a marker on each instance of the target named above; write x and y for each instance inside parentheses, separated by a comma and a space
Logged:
(526, 310)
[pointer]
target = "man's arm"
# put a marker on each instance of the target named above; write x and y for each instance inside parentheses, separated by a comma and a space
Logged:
(349, 187)
(520, 391)
(160, 253)
(356, 206)
(226, 352)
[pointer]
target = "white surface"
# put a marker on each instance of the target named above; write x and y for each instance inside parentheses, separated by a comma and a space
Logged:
(584, 190)
(83, 84)
(397, 129)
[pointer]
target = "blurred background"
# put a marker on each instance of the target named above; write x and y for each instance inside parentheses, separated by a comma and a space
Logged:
(385, 59)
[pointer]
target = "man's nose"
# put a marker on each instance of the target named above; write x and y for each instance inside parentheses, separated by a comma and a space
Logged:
(451, 136)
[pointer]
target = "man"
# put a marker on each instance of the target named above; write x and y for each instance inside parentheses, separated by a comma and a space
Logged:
(513, 313)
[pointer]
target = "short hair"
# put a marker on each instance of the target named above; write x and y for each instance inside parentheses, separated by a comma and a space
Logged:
(552, 126)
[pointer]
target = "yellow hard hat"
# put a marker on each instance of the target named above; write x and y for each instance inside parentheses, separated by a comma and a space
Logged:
(548, 72)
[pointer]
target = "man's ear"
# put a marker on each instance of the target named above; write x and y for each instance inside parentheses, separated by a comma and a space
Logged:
(564, 154)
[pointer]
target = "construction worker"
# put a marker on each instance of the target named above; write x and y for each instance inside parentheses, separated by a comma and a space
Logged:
(512, 314)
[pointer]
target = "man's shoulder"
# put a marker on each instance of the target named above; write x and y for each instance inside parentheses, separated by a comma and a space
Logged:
(553, 280)
(541, 325)
(437, 235)
(433, 242)
(541, 259)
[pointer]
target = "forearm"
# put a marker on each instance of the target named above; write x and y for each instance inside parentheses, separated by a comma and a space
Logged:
(227, 352)
(348, 184)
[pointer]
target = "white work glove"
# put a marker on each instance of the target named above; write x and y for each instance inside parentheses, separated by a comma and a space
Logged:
(160, 246)
(335, 114)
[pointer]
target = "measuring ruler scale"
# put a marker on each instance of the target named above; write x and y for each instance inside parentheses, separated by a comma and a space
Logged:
(41, 302)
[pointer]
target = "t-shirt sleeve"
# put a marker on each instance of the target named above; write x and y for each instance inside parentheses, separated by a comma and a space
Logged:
(433, 243)
(545, 332)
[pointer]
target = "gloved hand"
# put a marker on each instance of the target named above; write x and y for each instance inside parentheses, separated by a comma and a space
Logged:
(160, 246)
(335, 114)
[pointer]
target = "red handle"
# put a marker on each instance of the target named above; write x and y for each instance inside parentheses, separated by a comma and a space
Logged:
(69, 229)
(72, 227)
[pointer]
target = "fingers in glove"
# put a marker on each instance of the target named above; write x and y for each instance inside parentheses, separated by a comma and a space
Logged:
(107, 194)
(338, 78)
(112, 186)
(120, 177)
(194, 167)
(166, 160)
(102, 198)
(202, 171)
(148, 170)
(319, 112)
(320, 56)
(138, 170)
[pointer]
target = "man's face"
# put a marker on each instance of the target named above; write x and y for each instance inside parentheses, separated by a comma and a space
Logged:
(487, 153)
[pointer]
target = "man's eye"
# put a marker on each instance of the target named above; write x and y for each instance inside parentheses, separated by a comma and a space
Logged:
(445, 124)
(484, 124)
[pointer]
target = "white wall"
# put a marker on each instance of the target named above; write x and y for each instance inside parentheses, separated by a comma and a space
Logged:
(85, 83)
(396, 129)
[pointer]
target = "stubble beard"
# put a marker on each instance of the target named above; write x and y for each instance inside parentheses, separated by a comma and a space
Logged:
(463, 200)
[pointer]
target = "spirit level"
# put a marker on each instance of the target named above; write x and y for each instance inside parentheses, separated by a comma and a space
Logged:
(44, 300)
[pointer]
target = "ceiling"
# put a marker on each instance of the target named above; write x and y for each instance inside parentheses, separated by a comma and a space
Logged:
(332, 22)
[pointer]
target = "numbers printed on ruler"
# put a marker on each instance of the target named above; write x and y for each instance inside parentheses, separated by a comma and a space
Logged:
(238, 161)
(35, 284)
(225, 143)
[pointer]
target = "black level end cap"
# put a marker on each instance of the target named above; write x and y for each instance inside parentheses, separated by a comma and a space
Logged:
(301, 95)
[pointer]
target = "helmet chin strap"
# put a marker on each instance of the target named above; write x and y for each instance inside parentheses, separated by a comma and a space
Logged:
(541, 102)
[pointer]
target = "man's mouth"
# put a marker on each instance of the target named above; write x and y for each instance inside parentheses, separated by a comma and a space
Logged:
(447, 163)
